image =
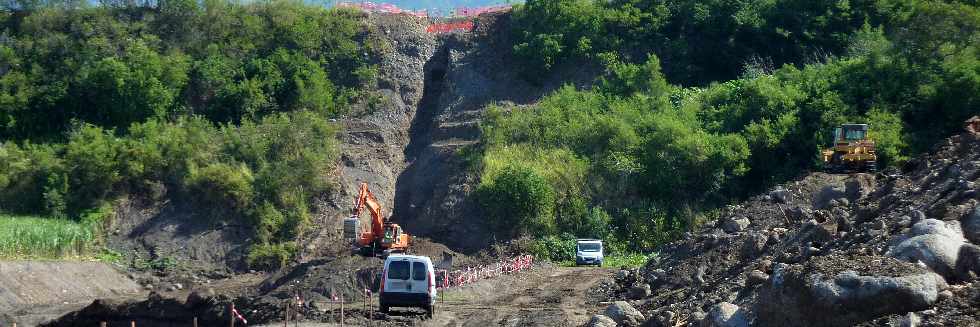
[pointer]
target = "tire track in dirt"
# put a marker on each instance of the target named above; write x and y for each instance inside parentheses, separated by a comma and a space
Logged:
(542, 297)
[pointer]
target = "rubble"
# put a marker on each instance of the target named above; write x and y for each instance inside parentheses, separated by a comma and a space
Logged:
(832, 250)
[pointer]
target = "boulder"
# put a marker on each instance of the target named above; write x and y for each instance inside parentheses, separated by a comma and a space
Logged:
(601, 321)
(971, 225)
(949, 229)
(725, 314)
(850, 289)
(732, 225)
(624, 314)
(933, 242)
(937, 252)
(800, 295)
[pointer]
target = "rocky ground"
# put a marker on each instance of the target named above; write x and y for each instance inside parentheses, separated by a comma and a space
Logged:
(896, 248)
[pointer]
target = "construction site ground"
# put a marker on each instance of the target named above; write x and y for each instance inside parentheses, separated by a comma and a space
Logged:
(544, 296)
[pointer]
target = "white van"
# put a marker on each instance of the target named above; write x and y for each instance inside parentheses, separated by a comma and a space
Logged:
(408, 281)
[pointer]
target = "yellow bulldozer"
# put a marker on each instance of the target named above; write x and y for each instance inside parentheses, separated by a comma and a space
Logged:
(853, 150)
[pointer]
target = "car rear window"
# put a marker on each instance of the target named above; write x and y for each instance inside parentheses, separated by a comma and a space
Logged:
(418, 271)
(398, 270)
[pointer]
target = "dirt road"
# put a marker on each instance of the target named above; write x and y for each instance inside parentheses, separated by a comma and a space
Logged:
(545, 296)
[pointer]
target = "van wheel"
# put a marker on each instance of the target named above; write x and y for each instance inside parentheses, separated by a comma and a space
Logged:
(384, 309)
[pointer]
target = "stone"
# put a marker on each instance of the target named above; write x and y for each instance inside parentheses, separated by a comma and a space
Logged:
(756, 277)
(640, 291)
(179, 286)
(624, 314)
(945, 295)
(968, 263)
(753, 245)
(731, 225)
(601, 321)
(971, 225)
(822, 199)
(779, 195)
(859, 186)
(725, 314)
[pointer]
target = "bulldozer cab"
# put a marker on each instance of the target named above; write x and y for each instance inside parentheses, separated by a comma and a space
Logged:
(850, 133)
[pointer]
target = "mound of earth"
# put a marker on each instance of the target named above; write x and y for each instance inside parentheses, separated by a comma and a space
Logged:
(832, 250)
(30, 291)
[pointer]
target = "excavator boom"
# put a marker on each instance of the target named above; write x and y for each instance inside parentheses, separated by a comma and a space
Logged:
(383, 236)
(366, 199)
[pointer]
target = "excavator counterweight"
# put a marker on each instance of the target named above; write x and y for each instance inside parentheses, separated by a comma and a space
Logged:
(383, 237)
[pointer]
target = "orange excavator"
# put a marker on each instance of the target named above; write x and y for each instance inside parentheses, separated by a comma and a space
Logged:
(383, 238)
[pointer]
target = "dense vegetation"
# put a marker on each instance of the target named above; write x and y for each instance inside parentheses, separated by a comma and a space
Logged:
(211, 103)
(657, 143)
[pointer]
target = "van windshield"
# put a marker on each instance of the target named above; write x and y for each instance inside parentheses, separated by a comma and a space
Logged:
(589, 247)
(398, 270)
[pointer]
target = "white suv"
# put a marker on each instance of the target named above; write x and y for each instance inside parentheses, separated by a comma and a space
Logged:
(408, 281)
(588, 252)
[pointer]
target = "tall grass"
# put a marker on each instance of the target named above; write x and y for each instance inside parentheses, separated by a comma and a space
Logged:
(43, 238)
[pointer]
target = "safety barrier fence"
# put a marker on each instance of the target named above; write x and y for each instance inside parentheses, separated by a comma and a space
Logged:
(460, 277)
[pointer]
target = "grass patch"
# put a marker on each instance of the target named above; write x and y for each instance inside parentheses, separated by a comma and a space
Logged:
(629, 261)
(26, 237)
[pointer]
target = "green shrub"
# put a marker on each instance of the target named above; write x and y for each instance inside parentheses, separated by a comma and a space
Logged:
(554, 247)
(270, 256)
(518, 200)
(221, 185)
